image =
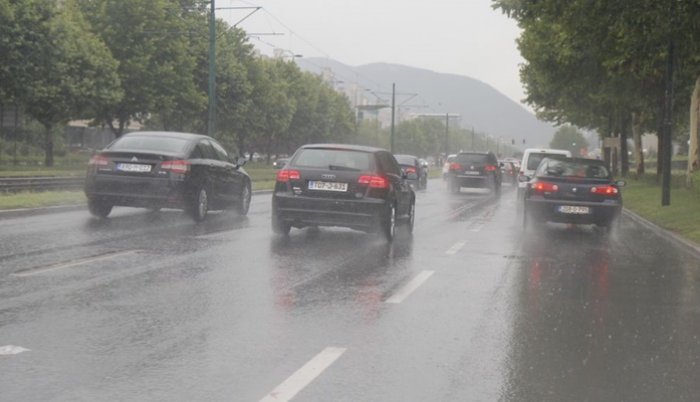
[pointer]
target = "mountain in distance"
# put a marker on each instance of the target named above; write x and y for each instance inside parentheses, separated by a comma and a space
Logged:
(479, 105)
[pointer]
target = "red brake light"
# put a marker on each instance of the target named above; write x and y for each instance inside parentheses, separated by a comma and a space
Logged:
(455, 166)
(373, 181)
(286, 175)
(490, 168)
(605, 190)
(545, 187)
(98, 160)
(410, 169)
(176, 166)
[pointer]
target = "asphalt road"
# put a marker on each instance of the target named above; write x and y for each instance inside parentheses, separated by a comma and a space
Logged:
(151, 307)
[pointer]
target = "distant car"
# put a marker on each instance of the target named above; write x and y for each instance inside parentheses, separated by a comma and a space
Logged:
(475, 170)
(573, 190)
(416, 171)
(509, 173)
(446, 165)
(279, 163)
(531, 159)
(166, 170)
(350, 186)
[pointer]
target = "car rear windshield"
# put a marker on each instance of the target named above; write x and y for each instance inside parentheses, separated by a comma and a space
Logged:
(536, 157)
(552, 167)
(405, 160)
(150, 144)
(334, 159)
(480, 159)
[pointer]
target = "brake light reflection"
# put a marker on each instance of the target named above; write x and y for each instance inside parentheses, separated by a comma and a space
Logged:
(286, 175)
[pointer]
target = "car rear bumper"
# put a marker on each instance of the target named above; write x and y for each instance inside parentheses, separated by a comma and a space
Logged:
(472, 181)
(601, 213)
(362, 214)
(136, 191)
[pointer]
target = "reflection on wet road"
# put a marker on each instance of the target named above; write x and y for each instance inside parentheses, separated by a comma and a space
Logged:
(151, 307)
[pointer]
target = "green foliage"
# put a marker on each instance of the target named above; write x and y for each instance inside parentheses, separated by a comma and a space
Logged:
(569, 138)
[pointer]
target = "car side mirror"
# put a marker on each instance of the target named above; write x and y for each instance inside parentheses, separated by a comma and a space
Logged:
(620, 183)
(501, 164)
(524, 179)
(240, 161)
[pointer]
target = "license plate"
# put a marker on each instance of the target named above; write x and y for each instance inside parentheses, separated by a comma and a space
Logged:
(133, 167)
(471, 173)
(569, 209)
(327, 186)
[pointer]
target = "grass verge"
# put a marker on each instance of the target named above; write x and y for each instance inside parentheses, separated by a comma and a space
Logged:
(41, 199)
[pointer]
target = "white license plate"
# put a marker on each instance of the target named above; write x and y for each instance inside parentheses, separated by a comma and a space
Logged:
(471, 173)
(327, 186)
(133, 167)
(569, 209)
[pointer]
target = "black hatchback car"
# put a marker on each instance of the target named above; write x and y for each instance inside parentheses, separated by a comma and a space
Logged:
(415, 170)
(573, 190)
(357, 187)
(475, 170)
(166, 170)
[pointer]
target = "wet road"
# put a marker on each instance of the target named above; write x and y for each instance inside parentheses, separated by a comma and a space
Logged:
(152, 307)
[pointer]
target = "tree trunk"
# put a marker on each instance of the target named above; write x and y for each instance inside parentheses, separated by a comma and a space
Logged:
(659, 154)
(48, 146)
(693, 156)
(624, 154)
(637, 138)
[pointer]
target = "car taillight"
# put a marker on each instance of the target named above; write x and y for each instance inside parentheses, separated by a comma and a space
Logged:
(455, 166)
(410, 169)
(545, 187)
(373, 181)
(286, 175)
(490, 168)
(176, 166)
(98, 160)
(605, 190)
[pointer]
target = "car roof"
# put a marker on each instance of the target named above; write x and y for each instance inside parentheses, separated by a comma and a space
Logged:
(407, 156)
(170, 134)
(348, 147)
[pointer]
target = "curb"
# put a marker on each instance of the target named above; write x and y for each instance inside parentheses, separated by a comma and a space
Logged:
(688, 245)
(13, 213)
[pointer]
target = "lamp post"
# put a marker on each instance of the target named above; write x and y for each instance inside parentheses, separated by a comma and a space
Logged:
(211, 122)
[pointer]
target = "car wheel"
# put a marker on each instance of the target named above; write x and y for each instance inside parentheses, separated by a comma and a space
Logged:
(389, 222)
(244, 202)
(199, 205)
(279, 226)
(98, 208)
(411, 216)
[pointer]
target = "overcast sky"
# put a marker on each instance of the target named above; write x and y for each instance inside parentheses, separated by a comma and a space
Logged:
(464, 37)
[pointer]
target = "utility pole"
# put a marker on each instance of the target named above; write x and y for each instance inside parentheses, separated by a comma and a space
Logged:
(447, 134)
(473, 149)
(393, 112)
(211, 123)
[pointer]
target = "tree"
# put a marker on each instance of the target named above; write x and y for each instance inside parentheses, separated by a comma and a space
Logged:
(569, 138)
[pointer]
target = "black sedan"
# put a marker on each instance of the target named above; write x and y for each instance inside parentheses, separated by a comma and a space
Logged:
(166, 170)
(416, 172)
(356, 187)
(573, 190)
(474, 170)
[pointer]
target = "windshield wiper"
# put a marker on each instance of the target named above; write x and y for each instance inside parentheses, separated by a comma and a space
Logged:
(338, 167)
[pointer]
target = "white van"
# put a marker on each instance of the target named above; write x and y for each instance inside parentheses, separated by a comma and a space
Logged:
(531, 159)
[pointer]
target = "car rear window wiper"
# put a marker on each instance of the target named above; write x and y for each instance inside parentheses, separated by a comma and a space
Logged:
(338, 167)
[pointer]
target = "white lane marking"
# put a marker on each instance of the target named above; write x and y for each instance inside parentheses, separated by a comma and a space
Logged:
(411, 286)
(36, 271)
(477, 228)
(12, 350)
(454, 249)
(303, 377)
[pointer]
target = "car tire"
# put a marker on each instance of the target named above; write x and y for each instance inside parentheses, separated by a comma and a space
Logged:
(199, 205)
(279, 226)
(411, 220)
(244, 201)
(389, 222)
(99, 208)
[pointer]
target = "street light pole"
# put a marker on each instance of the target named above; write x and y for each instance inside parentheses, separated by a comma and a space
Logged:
(211, 123)
(447, 134)
(393, 112)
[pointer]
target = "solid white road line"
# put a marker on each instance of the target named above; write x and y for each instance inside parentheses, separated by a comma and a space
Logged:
(411, 286)
(303, 377)
(454, 249)
(12, 350)
(36, 271)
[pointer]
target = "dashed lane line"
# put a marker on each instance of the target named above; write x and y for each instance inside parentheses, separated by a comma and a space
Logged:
(70, 264)
(410, 287)
(455, 249)
(305, 375)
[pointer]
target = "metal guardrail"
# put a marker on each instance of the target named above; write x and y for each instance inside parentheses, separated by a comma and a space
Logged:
(35, 183)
